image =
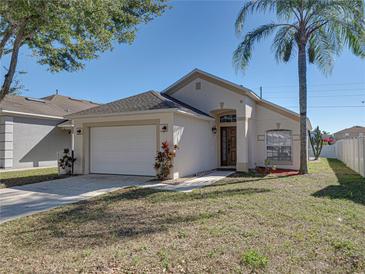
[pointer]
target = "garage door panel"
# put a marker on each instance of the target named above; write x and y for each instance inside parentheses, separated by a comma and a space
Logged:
(123, 150)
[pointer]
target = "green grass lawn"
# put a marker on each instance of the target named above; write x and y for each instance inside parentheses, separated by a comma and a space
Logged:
(24, 177)
(301, 224)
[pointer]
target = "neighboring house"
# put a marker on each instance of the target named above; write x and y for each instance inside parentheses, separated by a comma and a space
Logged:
(33, 131)
(351, 132)
(215, 123)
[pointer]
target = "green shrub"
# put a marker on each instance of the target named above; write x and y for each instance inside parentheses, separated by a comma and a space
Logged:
(254, 260)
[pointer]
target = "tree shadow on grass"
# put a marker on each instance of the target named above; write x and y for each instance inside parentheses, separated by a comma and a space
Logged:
(204, 194)
(25, 180)
(119, 217)
(351, 184)
(134, 193)
(240, 177)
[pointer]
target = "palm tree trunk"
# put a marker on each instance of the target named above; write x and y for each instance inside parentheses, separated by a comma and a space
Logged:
(302, 72)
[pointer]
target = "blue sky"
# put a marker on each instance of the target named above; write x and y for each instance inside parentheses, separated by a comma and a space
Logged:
(200, 34)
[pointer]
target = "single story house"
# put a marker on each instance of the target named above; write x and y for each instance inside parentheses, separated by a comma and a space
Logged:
(33, 131)
(215, 123)
(352, 132)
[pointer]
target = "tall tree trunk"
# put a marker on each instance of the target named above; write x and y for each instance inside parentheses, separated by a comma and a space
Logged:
(5, 39)
(302, 72)
(13, 62)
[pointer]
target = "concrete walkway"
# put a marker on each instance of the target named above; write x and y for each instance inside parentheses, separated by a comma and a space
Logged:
(25, 200)
(190, 185)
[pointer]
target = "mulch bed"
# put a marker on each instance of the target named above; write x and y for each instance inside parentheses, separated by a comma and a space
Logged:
(278, 171)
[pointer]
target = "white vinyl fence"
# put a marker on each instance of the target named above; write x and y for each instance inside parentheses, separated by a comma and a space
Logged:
(328, 151)
(352, 153)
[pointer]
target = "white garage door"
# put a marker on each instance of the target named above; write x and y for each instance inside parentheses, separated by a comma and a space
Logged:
(123, 150)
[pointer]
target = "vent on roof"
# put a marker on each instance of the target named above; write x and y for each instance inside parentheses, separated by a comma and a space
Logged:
(35, 100)
(73, 99)
(198, 85)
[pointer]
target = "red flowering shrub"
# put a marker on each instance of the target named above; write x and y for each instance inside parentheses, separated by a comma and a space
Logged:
(329, 140)
(164, 160)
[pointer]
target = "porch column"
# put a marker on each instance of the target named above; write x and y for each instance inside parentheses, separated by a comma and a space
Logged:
(243, 115)
(6, 142)
(78, 133)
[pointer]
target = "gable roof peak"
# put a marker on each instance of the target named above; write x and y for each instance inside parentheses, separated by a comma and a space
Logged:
(198, 73)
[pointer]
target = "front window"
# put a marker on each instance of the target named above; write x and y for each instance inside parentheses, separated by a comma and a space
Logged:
(279, 145)
(228, 118)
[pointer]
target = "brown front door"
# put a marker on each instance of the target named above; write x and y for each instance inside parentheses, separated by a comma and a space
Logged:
(228, 146)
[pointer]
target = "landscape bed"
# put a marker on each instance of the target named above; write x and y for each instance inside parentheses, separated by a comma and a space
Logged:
(310, 223)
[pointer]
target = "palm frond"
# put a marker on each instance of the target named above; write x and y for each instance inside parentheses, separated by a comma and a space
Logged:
(250, 7)
(242, 54)
(347, 26)
(284, 42)
(351, 34)
(329, 26)
(322, 47)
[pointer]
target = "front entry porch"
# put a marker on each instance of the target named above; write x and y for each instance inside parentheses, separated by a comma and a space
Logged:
(232, 139)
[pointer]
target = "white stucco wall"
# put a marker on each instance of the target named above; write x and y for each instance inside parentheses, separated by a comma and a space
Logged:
(37, 141)
(197, 145)
(267, 119)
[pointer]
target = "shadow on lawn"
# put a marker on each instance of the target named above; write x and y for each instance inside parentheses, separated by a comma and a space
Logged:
(203, 194)
(241, 177)
(352, 185)
(117, 217)
(19, 181)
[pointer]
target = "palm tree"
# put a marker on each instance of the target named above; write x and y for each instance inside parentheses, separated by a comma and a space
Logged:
(317, 29)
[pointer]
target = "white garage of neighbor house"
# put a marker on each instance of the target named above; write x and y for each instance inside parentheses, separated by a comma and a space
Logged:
(215, 123)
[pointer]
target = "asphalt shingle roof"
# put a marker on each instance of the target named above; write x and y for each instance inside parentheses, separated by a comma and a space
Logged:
(69, 104)
(55, 105)
(150, 100)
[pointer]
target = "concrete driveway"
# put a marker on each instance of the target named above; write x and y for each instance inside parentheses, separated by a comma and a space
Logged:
(25, 200)
(29, 199)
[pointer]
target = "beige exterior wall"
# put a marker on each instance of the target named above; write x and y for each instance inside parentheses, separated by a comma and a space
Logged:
(82, 149)
(212, 98)
(197, 145)
(251, 126)
(267, 119)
